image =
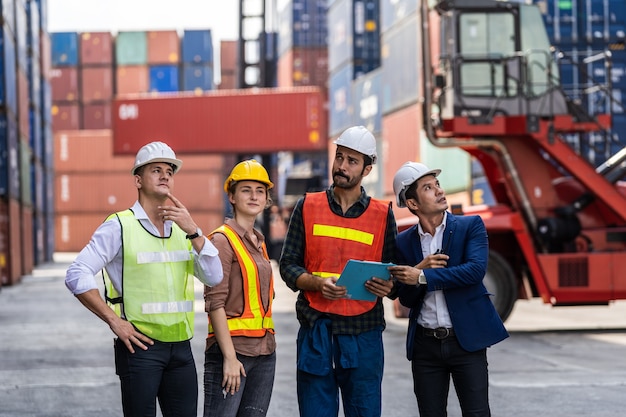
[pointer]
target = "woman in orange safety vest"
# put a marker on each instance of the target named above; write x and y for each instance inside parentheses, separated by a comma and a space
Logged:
(240, 357)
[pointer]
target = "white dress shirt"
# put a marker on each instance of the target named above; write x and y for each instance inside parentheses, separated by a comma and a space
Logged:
(434, 311)
(104, 251)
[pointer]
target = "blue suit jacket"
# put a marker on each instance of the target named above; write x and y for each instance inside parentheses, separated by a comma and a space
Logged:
(475, 320)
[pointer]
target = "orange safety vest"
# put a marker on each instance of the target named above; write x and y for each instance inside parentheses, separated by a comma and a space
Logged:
(254, 321)
(331, 240)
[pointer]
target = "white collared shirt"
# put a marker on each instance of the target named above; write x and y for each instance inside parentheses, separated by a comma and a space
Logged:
(104, 250)
(434, 312)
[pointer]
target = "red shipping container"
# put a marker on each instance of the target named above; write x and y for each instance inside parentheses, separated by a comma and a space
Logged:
(132, 79)
(28, 245)
(73, 231)
(65, 117)
(96, 84)
(303, 66)
(96, 116)
(228, 56)
(263, 120)
(84, 150)
(98, 191)
(10, 242)
(64, 84)
(96, 48)
(163, 47)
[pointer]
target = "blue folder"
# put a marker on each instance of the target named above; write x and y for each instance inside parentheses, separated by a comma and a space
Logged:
(355, 273)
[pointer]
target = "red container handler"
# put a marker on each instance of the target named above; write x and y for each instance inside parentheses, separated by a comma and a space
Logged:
(263, 120)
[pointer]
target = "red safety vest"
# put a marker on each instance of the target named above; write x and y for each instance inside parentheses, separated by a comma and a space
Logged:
(331, 240)
(255, 321)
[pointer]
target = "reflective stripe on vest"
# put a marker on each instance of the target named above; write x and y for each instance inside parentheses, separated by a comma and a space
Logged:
(331, 240)
(254, 321)
(157, 281)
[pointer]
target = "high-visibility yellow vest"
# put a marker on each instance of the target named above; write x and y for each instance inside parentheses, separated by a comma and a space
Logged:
(255, 320)
(331, 240)
(157, 281)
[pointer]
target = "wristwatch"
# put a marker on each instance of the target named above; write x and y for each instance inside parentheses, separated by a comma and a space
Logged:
(422, 279)
(195, 235)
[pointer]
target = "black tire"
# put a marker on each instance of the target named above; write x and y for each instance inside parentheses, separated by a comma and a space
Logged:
(500, 281)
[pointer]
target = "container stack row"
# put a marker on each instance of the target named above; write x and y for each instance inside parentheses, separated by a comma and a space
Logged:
(592, 28)
(26, 163)
(302, 61)
(91, 183)
(90, 69)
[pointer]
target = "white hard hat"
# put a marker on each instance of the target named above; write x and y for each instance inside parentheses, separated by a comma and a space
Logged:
(407, 175)
(360, 139)
(156, 152)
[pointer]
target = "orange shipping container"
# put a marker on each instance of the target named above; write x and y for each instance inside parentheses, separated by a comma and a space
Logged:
(88, 150)
(101, 191)
(73, 231)
(132, 79)
(23, 103)
(96, 48)
(263, 120)
(96, 84)
(163, 47)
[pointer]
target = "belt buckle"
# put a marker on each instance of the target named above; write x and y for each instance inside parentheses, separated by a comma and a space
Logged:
(441, 333)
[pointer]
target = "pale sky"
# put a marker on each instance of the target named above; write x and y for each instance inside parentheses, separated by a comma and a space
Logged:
(221, 16)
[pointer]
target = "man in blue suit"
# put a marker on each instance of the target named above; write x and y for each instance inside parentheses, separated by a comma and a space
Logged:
(441, 264)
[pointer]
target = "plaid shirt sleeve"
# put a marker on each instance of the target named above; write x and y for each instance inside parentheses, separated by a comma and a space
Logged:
(292, 258)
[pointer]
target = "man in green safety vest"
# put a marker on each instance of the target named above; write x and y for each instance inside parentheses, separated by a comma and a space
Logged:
(149, 255)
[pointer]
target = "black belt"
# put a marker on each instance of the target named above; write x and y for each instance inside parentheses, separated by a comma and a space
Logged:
(438, 333)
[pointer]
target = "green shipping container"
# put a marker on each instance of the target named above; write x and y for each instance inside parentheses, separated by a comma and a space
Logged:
(455, 165)
(131, 48)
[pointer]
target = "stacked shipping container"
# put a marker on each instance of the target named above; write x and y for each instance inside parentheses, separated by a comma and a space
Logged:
(89, 69)
(25, 140)
(92, 183)
(93, 68)
(581, 29)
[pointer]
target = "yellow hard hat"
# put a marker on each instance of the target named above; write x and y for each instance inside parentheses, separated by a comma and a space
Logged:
(249, 170)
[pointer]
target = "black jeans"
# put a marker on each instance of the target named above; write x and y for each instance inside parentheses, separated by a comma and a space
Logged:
(434, 362)
(165, 371)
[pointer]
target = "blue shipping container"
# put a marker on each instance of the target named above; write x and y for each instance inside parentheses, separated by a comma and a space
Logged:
(400, 72)
(9, 157)
(562, 20)
(197, 46)
(197, 77)
(340, 99)
(395, 11)
(21, 32)
(604, 21)
(64, 47)
(366, 92)
(303, 23)
(163, 78)
(354, 34)
(43, 14)
(7, 10)
(8, 75)
(34, 28)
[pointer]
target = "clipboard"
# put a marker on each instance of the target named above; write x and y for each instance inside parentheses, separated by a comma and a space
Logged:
(355, 273)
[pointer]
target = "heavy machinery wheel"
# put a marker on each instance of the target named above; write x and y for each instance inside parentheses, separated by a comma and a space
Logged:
(500, 281)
